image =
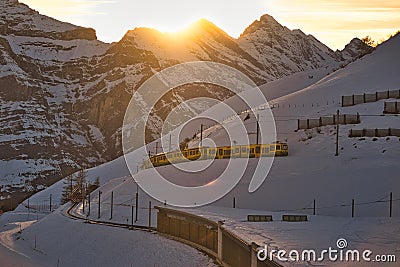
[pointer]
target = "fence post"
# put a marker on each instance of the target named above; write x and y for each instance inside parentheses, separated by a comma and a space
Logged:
(234, 202)
(376, 96)
(337, 134)
(98, 211)
(137, 202)
(132, 215)
(89, 203)
(352, 99)
(390, 204)
(352, 208)
(364, 98)
(308, 124)
(112, 204)
(149, 215)
(220, 223)
(358, 118)
(253, 254)
(298, 124)
(314, 208)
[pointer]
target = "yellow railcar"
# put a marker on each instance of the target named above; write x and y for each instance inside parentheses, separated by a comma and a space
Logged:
(223, 152)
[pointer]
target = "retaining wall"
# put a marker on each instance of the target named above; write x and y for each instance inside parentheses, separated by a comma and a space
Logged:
(227, 248)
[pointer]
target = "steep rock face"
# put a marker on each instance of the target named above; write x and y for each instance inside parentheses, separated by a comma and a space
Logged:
(20, 20)
(63, 93)
(283, 51)
(355, 49)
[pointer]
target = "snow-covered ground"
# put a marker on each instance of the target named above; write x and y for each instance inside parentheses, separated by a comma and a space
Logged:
(366, 170)
(62, 241)
(380, 235)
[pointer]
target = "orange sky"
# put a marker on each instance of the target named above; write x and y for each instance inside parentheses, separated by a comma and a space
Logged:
(334, 22)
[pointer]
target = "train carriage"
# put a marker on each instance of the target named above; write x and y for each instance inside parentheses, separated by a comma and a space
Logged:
(224, 152)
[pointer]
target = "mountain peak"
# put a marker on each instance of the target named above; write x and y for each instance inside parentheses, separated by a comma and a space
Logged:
(266, 22)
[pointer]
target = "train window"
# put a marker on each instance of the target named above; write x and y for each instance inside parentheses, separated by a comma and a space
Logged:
(278, 147)
(272, 148)
(257, 149)
(220, 151)
(227, 152)
(284, 147)
(236, 150)
(252, 150)
(243, 150)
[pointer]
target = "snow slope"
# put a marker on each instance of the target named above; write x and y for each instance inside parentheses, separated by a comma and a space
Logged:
(65, 242)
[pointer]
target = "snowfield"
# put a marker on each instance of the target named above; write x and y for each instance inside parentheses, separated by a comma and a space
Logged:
(366, 170)
(61, 241)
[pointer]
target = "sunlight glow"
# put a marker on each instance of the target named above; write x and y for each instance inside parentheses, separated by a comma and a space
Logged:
(334, 22)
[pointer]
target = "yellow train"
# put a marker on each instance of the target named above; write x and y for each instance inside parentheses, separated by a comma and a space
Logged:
(223, 152)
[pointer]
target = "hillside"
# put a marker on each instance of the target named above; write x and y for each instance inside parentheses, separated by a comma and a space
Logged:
(365, 169)
(63, 93)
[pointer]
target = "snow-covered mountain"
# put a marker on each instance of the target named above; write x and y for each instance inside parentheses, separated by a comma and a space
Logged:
(63, 93)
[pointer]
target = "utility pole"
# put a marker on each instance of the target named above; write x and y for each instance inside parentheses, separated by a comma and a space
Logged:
(258, 128)
(337, 133)
(156, 148)
(50, 202)
(201, 135)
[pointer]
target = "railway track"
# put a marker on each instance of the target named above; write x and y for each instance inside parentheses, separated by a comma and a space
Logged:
(70, 213)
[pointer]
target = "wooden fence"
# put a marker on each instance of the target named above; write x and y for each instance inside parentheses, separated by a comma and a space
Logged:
(391, 108)
(328, 120)
(374, 132)
(367, 98)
